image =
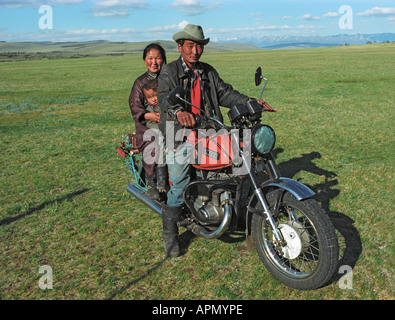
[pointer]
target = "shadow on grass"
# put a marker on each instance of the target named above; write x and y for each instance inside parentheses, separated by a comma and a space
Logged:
(69, 196)
(185, 239)
(133, 282)
(349, 239)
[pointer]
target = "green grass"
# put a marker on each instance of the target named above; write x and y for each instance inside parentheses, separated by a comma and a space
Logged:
(63, 187)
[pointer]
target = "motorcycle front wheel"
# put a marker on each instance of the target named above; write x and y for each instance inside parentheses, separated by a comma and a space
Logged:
(308, 257)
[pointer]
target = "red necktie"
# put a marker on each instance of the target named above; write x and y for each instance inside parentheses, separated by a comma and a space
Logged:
(196, 94)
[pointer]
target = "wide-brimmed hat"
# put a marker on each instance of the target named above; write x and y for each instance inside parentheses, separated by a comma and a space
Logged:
(191, 32)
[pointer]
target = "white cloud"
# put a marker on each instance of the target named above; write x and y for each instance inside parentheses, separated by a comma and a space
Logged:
(307, 27)
(376, 12)
(193, 7)
(331, 15)
(178, 26)
(309, 16)
(118, 4)
(35, 3)
(117, 8)
(111, 14)
(99, 31)
(247, 30)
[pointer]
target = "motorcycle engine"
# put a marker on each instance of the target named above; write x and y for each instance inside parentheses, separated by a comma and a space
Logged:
(209, 210)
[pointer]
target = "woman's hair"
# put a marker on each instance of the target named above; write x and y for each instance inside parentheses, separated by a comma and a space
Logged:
(157, 47)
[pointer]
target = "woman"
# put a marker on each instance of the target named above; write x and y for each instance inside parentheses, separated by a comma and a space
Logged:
(154, 57)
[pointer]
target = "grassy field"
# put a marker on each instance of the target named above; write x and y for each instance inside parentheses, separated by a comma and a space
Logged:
(63, 198)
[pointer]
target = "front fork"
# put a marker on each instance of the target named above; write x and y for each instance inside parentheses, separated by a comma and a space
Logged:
(247, 163)
(266, 210)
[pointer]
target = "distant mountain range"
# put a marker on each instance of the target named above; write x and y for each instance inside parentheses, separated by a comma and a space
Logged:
(314, 41)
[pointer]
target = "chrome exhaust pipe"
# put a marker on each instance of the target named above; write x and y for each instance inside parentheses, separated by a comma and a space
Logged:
(223, 226)
(155, 206)
(142, 196)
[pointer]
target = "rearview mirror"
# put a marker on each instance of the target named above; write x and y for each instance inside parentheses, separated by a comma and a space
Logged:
(258, 80)
(175, 95)
(258, 76)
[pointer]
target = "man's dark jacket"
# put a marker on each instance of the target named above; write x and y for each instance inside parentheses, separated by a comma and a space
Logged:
(215, 93)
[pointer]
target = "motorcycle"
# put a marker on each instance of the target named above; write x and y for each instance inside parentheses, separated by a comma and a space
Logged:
(236, 181)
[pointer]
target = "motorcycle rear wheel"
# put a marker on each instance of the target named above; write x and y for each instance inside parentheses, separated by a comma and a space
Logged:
(310, 256)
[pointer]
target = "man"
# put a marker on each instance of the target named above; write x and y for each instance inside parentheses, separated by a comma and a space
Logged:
(204, 89)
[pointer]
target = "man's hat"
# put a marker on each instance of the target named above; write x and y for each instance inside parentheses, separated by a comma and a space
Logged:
(193, 33)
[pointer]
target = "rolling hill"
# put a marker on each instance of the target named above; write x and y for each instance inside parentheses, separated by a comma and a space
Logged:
(101, 47)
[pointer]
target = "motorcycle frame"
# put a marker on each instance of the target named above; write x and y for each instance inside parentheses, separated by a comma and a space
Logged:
(229, 221)
(299, 190)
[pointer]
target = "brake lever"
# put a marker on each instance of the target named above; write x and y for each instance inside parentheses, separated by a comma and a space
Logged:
(267, 107)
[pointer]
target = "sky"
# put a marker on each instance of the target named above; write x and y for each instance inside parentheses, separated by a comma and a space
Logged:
(222, 20)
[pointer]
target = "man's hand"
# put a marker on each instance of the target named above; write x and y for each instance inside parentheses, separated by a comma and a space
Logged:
(186, 119)
(266, 106)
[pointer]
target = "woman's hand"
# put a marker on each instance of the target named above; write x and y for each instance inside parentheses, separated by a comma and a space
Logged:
(152, 116)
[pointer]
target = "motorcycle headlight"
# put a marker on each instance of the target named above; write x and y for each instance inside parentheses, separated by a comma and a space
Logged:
(263, 139)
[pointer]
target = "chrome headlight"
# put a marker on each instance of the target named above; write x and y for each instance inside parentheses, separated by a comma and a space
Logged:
(263, 139)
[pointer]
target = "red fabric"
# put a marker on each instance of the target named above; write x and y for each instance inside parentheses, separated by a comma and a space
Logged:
(196, 94)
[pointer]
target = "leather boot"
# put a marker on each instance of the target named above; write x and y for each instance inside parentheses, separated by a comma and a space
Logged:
(161, 178)
(152, 192)
(170, 217)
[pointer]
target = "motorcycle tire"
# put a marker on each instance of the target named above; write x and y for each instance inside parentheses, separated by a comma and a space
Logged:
(309, 257)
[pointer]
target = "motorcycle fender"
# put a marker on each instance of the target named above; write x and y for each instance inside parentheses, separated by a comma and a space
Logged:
(299, 190)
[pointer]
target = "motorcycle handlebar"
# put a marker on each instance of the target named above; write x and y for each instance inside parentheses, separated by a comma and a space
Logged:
(202, 121)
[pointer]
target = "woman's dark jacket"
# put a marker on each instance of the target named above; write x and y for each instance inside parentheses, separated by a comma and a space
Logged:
(138, 107)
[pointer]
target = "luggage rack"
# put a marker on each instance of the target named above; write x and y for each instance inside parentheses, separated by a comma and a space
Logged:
(133, 159)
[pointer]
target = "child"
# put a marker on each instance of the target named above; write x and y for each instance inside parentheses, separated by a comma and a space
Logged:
(150, 90)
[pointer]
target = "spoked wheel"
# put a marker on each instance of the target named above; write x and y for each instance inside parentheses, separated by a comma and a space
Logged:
(308, 257)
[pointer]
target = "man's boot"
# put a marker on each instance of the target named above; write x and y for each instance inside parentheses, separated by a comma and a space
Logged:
(152, 192)
(161, 178)
(170, 217)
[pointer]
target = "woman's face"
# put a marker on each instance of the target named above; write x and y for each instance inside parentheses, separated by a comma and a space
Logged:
(153, 61)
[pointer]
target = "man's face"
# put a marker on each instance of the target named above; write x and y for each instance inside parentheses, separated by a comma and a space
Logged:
(191, 52)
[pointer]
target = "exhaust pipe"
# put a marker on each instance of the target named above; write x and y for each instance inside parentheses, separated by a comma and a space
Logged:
(201, 231)
(198, 230)
(142, 196)
(223, 226)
